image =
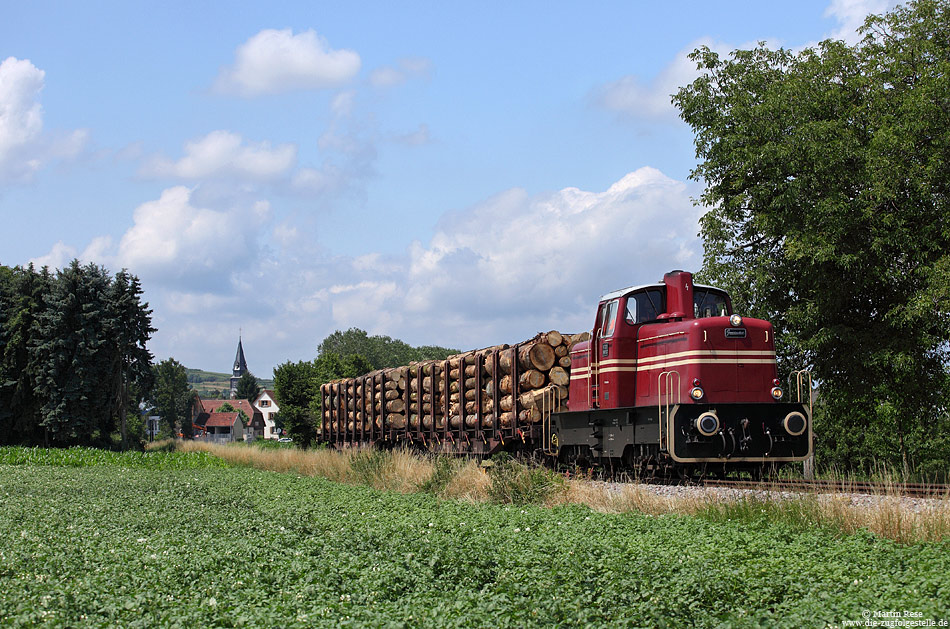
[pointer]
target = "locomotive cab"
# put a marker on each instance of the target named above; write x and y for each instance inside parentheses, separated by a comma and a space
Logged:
(671, 363)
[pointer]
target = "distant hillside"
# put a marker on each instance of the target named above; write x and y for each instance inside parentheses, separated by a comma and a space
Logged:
(210, 384)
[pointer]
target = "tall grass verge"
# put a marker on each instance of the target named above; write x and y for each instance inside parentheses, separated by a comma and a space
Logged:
(514, 482)
(885, 516)
(394, 470)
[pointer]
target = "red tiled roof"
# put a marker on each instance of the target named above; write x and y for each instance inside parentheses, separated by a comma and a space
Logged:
(211, 406)
(222, 419)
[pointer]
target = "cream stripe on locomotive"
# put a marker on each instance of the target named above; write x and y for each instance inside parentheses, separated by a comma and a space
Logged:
(709, 357)
(710, 361)
(713, 353)
(577, 374)
(696, 352)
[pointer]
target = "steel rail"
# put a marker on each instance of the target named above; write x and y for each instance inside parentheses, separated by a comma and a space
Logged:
(913, 490)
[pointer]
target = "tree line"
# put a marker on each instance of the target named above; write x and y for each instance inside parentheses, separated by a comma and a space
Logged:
(341, 355)
(73, 358)
(74, 363)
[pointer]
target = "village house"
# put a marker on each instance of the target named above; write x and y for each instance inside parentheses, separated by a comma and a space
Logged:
(266, 404)
(203, 410)
(225, 427)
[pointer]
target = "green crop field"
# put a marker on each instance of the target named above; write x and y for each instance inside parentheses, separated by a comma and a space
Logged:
(172, 539)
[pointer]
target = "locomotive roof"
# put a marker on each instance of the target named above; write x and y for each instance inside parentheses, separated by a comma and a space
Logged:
(630, 289)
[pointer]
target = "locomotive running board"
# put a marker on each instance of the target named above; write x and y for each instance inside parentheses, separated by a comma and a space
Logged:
(751, 459)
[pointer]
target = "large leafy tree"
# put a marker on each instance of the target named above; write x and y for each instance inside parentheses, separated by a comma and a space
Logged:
(379, 351)
(827, 176)
(294, 388)
(171, 396)
(297, 386)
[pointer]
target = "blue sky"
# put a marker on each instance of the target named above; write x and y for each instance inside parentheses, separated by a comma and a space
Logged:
(445, 173)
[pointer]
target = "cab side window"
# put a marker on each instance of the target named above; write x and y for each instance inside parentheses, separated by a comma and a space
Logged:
(610, 319)
(631, 314)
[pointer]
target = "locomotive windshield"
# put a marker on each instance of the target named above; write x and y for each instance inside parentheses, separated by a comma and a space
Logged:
(708, 302)
(644, 306)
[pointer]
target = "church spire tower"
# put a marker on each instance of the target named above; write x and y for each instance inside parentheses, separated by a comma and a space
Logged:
(240, 368)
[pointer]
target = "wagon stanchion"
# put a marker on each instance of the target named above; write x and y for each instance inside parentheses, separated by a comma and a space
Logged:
(479, 415)
(433, 395)
(515, 392)
(446, 416)
(360, 393)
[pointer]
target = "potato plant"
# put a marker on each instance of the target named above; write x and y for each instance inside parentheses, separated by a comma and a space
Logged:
(108, 544)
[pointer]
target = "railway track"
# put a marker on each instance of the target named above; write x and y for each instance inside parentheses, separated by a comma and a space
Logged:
(912, 490)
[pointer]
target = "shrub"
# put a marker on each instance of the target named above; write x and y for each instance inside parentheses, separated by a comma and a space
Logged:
(444, 470)
(368, 466)
(518, 483)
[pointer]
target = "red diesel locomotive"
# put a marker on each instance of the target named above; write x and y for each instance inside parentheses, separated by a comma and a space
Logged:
(672, 378)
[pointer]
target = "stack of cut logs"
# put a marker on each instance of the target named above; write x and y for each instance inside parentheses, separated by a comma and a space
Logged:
(414, 396)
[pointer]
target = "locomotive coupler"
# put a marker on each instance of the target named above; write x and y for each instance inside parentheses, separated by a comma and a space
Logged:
(746, 437)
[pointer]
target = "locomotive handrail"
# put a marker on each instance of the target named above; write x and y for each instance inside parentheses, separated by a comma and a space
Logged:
(547, 432)
(660, 336)
(590, 366)
(666, 377)
(801, 377)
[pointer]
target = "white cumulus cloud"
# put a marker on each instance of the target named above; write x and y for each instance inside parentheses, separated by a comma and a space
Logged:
(496, 272)
(518, 263)
(173, 240)
(274, 61)
(223, 153)
(24, 148)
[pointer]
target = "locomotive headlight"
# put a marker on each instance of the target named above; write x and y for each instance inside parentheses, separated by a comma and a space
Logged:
(707, 424)
(777, 393)
(696, 393)
(794, 423)
(735, 321)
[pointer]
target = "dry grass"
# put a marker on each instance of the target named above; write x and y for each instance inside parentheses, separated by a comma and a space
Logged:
(397, 470)
(469, 483)
(888, 516)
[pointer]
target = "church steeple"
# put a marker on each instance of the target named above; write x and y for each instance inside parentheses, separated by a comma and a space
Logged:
(240, 365)
(239, 369)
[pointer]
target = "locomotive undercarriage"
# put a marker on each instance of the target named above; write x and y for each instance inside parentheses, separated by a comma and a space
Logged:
(691, 440)
(634, 443)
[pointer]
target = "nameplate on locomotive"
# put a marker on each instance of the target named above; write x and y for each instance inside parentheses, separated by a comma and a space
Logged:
(735, 333)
